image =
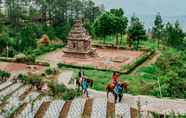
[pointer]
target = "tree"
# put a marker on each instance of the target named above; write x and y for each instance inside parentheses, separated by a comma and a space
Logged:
(120, 23)
(103, 25)
(136, 31)
(110, 24)
(158, 28)
(26, 20)
(174, 35)
(117, 12)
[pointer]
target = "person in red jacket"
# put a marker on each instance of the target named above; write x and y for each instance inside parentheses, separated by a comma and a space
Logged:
(115, 79)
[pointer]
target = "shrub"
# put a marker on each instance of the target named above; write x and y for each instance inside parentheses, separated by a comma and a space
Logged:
(57, 88)
(172, 115)
(49, 71)
(25, 59)
(69, 94)
(24, 78)
(43, 50)
(4, 74)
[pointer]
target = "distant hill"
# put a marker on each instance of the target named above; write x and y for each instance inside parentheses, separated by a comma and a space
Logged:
(148, 20)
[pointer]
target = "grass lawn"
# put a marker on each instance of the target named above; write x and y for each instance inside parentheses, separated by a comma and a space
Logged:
(137, 84)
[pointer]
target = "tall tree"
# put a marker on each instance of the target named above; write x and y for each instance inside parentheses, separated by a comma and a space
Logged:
(136, 31)
(120, 23)
(174, 35)
(158, 28)
(110, 24)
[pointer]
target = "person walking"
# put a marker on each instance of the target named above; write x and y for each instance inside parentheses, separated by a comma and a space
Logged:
(85, 87)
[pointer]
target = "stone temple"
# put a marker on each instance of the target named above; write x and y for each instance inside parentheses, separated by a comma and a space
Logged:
(79, 43)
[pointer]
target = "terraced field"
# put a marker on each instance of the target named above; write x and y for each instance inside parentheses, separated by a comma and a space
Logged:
(21, 101)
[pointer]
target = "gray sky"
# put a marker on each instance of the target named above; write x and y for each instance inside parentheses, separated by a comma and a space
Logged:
(148, 7)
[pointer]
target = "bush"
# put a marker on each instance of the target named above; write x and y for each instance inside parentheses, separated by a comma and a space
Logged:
(30, 79)
(49, 71)
(25, 59)
(43, 50)
(172, 115)
(57, 88)
(24, 78)
(4, 74)
(62, 31)
(69, 94)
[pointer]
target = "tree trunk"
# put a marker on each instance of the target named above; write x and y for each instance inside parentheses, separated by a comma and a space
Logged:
(121, 38)
(117, 41)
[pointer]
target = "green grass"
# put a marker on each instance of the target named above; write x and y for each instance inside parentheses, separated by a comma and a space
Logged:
(102, 78)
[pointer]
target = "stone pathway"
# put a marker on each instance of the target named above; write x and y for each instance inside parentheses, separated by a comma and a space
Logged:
(65, 77)
(13, 101)
(3, 85)
(99, 108)
(9, 89)
(76, 108)
(54, 109)
(30, 111)
(122, 110)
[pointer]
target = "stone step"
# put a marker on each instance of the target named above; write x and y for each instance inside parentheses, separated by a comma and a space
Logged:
(4, 84)
(9, 90)
(26, 112)
(87, 108)
(122, 110)
(42, 110)
(54, 109)
(65, 109)
(13, 101)
(99, 108)
(76, 109)
(110, 109)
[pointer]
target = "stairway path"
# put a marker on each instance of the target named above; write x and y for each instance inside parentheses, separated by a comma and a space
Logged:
(31, 109)
(148, 103)
(4, 84)
(54, 109)
(99, 108)
(76, 109)
(10, 89)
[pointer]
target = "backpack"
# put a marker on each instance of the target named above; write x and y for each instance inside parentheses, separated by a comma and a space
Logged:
(118, 89)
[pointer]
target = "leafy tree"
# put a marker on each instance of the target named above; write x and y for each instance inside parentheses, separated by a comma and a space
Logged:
(136, 31)
(90, 10)
(120, 23)
(27, 39)
(110, 23)
(117, 12)
(158, 28)
(174, 35)
(104, 25)
(26, 20)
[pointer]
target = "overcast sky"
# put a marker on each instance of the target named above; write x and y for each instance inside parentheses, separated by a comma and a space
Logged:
(148, 7)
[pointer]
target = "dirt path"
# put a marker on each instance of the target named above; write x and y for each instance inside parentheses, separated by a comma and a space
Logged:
(151, 60)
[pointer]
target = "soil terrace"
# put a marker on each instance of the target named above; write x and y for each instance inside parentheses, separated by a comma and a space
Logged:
(20, 67)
